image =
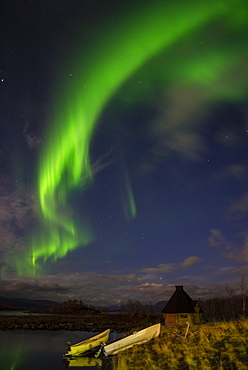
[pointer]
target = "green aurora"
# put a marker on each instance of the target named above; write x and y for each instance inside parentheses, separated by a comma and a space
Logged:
(149, 37)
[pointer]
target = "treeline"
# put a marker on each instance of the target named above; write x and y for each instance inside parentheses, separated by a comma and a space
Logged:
(70, 307)
(133, 306)
(224, 308)
(232, 306)
(9, 308)
(229, 307)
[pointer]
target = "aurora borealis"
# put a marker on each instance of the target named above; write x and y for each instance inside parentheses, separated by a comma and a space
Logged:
(163, 84)
(66, 157)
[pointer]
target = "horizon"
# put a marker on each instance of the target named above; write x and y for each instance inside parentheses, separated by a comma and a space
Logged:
(193, 291)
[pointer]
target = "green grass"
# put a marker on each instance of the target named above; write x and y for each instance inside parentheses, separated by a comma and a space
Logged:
(221, 345)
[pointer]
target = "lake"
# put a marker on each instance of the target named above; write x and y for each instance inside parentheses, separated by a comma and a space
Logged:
(41, 350)
(16, 313)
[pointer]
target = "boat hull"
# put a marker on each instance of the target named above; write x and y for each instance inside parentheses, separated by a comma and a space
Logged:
(88, 345)
(139, 337)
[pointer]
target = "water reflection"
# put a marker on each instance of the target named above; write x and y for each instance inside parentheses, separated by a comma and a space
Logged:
(83, 362)
(41, 350)
(12, 358)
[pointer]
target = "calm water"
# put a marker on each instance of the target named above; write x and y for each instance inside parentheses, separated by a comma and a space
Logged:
(42, 350)
(16, 313)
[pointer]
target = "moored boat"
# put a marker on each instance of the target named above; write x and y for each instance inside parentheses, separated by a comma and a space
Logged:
(140, 337)
(89, 345)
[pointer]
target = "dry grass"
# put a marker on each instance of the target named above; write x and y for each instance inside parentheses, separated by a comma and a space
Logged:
(209, 346)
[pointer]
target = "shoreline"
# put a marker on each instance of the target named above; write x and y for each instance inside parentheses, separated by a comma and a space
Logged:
(97, 322)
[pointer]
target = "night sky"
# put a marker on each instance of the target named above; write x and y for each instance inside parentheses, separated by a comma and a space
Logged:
(123, 149)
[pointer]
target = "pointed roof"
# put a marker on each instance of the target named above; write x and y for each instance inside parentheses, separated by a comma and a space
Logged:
(180, 302)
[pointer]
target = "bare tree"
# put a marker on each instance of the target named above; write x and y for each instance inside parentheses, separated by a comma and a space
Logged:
(230, 301)
(230, 290)
(133, 306)
(243, 293)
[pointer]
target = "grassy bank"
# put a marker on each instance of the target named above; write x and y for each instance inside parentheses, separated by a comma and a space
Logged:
(209, 346)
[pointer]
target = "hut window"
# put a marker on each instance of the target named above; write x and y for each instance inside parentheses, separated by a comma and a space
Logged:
(184, 316)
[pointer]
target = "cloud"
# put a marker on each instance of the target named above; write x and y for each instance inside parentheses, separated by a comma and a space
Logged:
(240, 255)
(237, 171)
(154, 292)
(242, 270)
(223, 270)
(102, 289)
(175, 129)
(168, 268)
(234, 251)
(32, 140)
(204, 292)
(31, 288)
(216, 238)
(97, 289)
(188, 262)
(162, 268)
(16, 212)
(237, 248)
(240, 206)
(233, 170)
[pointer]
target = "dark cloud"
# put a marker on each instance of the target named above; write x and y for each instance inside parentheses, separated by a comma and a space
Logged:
(162, 268)
(32, 289)
(168, 268)
(105, 289)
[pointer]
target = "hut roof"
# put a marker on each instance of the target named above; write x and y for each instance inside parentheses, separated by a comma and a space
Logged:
(180, 302)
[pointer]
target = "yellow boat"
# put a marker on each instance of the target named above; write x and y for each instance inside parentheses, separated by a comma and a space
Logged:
(87, 346)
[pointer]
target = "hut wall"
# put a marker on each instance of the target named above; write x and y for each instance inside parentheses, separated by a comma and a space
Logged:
(182, 318)
(170, 319)
(197, 318)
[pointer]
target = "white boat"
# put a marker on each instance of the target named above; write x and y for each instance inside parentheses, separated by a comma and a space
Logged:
(136, 338)
(88, 345)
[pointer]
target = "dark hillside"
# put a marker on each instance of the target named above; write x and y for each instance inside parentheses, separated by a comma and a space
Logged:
(24, 304)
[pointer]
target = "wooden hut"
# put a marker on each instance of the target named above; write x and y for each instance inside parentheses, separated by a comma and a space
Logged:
(181, 309)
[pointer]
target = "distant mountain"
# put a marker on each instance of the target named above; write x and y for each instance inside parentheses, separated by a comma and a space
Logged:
(114, 308)
(36, 304)
(159, 306)
(25, 304)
